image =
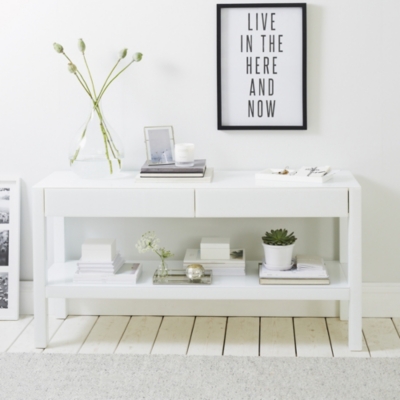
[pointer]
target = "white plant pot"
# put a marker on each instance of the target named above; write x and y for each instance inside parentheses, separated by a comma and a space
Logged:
(278, 258)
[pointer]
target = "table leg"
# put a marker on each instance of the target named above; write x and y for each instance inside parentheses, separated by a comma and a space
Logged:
(39, 269)
(355, 270)
(60, 305)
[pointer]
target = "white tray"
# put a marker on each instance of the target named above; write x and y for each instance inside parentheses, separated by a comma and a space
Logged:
(272, 174)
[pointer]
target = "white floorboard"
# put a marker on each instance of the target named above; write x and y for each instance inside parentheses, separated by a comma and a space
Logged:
(173, 336)
(139, 336)
(71, 335)
(396, 322)
(338, 333)
(10, 330)
(239, 336)
(105, 335)
(382, 337)
(277, 337)
(312, 338)
(207, 337)
(242, 336)
(25, 343)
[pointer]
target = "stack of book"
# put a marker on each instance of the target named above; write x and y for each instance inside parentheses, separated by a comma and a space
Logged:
(101, 264)
(127, 274)
(170, 172)
(235, 265)
(307, 270)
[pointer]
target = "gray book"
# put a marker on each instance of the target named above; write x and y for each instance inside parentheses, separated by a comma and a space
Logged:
(199, 167)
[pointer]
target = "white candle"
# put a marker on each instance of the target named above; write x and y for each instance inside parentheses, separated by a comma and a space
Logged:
(184, 154)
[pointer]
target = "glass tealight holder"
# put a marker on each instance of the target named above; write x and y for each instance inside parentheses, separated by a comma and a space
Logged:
(184, 154)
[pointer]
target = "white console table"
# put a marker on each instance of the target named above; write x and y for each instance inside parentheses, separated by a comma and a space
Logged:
(232, 194)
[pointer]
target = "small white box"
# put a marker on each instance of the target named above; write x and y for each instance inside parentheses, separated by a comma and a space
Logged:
(216, 248)
(99, 250)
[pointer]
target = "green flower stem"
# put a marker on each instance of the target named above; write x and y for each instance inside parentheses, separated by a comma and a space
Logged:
(115, 77)
(84, 87)
(67, 57)
(90, 75)
(108, 139)
(84, 84)
(108, 77)
(106, 146)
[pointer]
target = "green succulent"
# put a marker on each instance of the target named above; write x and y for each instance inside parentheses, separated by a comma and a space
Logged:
(279, 237)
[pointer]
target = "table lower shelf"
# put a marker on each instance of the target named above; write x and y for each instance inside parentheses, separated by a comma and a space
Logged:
(61, 285)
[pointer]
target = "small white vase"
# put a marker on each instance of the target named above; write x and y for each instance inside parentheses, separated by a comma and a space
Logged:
(278, 258)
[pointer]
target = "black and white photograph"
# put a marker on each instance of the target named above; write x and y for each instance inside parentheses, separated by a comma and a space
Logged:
(160, 144)
(261, 66)
(3, 290)
(10, 206)
(4, 248)
(4, 205)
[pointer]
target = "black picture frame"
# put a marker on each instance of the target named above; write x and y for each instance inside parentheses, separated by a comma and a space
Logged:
(259, 89)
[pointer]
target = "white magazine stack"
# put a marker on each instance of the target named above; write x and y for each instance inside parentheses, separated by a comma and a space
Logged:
(307, 270)
(101, 264)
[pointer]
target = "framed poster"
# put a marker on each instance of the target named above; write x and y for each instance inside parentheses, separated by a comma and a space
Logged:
(9, 248)
(160, 144)
(261, 66)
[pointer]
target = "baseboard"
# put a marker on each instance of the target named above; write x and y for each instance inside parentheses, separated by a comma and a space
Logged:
(379, 300)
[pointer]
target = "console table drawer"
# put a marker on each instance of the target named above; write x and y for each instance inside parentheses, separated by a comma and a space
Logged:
(277, 202)
(120, 203)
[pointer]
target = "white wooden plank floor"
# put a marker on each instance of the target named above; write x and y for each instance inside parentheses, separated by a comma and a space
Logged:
(216, 336)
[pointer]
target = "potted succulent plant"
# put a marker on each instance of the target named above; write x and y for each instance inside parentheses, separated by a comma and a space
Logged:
(278, 249)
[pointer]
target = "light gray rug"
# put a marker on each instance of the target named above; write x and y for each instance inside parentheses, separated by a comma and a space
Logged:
(109, 377)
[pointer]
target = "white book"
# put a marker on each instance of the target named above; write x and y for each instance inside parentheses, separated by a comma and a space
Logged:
(237, 258)
(228, 271)
(290, 280)
(85, 262)
(219, 266)
(97, 267)
(292, 273)
(310, 262)
(127, 275)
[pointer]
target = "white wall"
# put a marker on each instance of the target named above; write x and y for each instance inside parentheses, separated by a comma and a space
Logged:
(353, 103)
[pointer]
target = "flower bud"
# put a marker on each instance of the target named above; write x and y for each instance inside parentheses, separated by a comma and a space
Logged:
(58, 48)
(81, 45)
(72, 68)
(123, 53)
(137, 56)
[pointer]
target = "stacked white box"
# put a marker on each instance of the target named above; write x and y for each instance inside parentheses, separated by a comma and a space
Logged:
(235, 265)
(215, 248)
(99, 250)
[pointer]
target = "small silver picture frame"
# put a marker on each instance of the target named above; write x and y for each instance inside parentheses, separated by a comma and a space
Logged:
(160, 143)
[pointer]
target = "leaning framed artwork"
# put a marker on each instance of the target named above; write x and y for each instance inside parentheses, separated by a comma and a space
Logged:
(9, 247)
(262, 66)
(160, 144)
